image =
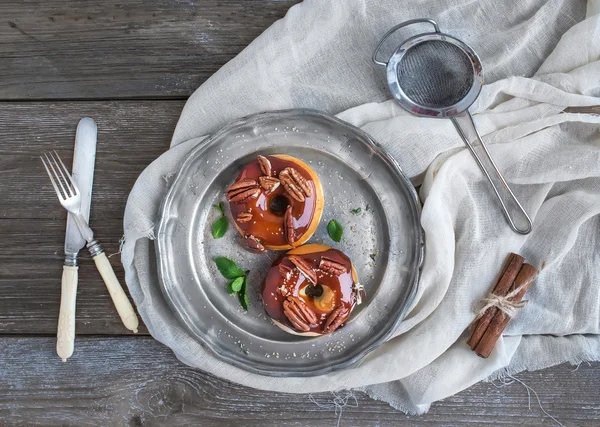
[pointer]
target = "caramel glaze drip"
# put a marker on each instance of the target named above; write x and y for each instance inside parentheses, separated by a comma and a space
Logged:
(267, 226)
(277, 288)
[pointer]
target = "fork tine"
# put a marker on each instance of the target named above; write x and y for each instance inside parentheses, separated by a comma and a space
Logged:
(71, 180)
(65, 180)
(57, 177)
(58, 193)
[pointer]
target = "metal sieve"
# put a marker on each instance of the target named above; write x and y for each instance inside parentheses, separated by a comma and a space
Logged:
(437, 75)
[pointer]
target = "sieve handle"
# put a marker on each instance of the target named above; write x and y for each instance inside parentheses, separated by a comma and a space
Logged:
(466, 128)
(396, 28)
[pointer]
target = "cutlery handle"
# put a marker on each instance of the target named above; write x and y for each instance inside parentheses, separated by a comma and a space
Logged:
(65, 336)
(122, 304)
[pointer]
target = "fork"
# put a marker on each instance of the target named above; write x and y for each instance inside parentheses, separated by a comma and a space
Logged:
(70, 198)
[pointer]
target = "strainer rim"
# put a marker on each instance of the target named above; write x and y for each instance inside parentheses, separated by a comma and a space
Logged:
(413, 107)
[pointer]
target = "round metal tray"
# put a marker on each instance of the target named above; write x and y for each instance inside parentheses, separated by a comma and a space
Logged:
(384, 241)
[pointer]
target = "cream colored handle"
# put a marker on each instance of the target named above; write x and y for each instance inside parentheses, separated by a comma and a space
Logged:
(65, 336)
(122, 304)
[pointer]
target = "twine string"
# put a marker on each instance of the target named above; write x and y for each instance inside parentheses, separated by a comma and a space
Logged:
(121, 244)
(504, 303)
(339, 401)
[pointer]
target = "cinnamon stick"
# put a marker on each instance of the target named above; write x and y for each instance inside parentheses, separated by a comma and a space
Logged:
(497, 325)
(478, 328)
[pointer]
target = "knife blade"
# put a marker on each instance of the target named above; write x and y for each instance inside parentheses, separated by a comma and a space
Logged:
(84, 158)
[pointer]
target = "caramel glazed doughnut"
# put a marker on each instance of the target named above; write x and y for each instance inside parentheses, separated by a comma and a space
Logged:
(276, 203)
(311, 290)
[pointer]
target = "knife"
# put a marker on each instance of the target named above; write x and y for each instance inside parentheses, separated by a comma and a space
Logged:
(84, 158)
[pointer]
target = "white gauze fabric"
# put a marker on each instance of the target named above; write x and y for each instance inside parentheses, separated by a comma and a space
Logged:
(539, 56)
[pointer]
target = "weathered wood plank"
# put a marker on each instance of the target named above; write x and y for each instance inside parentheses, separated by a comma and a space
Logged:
(131, 134)
(137, 381)
(31, 258)
(592, 109)
(61, 49)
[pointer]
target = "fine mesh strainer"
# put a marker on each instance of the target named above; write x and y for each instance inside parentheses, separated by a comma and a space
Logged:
(437, 75)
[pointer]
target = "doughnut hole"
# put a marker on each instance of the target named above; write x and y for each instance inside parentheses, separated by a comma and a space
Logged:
(278, 205)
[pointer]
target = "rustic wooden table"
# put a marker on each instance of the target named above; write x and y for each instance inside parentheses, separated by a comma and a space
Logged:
(130, 65)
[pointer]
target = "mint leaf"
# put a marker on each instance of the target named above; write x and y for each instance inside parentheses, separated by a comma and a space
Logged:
(356, 211)
(219, 228)
(237, 284)
(229, 288)
(228, 268)
(243, 295)
(335, 230)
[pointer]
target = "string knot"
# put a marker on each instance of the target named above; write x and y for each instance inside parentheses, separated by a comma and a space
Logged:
(504, 303)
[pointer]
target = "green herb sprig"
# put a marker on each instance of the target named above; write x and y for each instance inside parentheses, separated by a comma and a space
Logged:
(237, 276)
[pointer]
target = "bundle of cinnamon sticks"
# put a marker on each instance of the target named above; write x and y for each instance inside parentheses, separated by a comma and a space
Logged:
(515, 279)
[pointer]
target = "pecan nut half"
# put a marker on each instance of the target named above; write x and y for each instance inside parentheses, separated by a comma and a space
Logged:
(288, 226)
(299, 314)
(285, 271)
(301, 182)
(242, 184)
(244, 217)
(265, 165)
(245, 195)
(304, 268)
(295, 184)
(242, 190)
(335, 319)
(333, 267)
(269, 183)
(254, 245)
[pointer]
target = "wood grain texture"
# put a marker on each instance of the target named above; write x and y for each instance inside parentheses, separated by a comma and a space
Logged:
(31, 258)
(137, 381)
(591, 109)
(130, 136)
(62, 49)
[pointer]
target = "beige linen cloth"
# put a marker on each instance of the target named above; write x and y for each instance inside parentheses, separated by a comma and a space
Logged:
(539, 56)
